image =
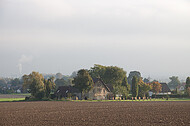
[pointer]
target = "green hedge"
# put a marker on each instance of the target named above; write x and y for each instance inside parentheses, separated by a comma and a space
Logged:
(170, 96)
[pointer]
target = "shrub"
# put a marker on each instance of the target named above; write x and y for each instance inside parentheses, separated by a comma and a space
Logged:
(167, 97)
(27, 98)
(188, 91)
(39, 95)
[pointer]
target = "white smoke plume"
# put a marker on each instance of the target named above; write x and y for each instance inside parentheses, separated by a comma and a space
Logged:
(22, 60)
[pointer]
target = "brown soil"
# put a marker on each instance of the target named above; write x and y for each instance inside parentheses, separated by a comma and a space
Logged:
(94, 113)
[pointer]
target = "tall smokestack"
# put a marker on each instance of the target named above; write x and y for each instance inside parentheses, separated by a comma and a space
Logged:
(20, 68)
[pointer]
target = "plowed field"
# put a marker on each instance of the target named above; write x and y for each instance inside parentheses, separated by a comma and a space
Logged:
(94, 113)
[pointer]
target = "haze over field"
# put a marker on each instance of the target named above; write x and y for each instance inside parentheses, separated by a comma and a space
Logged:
(64, 36)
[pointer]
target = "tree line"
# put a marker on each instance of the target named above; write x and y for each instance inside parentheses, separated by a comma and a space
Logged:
(41, 86)
(117, 77)
(38, 86)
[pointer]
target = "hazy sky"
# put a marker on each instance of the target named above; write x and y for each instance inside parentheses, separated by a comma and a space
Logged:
(50, 36)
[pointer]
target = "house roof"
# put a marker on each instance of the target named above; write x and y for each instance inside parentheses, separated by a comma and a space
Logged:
(110, 86)
(63, 90)
(183, 85)
(165, 88)
(95, 80)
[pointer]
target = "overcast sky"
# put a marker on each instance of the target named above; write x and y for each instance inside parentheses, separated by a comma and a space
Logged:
(50, 36)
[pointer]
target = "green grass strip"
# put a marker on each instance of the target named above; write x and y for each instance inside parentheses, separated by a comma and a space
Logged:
(11, 99)
(170, 99)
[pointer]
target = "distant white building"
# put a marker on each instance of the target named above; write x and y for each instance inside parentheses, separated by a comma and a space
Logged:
(181, 87)
(150, 93)
(18, 91)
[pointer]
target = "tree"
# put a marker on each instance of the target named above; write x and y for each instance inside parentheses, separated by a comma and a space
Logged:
(109, 74)
(60, 82)
(3, 83)
(143, 88)
(123, 91)
(15, 82)
(135, 82)
(97, 71)
(146, 80)
(187, 86)
(74, 74)
(156, 87)
(187, 82)
(120, 90)
(69, 81)
(132, 74)
(35, 83)
(125, 84)
(174, 82)
(188, 91)
(49, 86)
(66, 77)
(115, 90)
(58, 76)
(114, 75)
(83, 81)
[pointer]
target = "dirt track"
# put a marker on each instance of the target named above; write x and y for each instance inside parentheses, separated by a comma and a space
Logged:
(94, 113)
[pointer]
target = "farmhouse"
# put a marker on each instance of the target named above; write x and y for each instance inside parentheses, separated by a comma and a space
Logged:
(66, 91)
(100, 91)
(181, 87)
(164, 91)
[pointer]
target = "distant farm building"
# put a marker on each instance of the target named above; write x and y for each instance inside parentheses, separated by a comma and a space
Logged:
(181, 87)
(164, 91)
(100, 91)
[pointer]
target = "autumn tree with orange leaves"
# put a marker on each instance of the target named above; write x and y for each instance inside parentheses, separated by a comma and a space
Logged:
(156, 87)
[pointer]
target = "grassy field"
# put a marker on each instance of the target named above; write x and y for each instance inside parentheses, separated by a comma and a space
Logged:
(24, 94)
(21, 97)
(171, 99)
(11, 99)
